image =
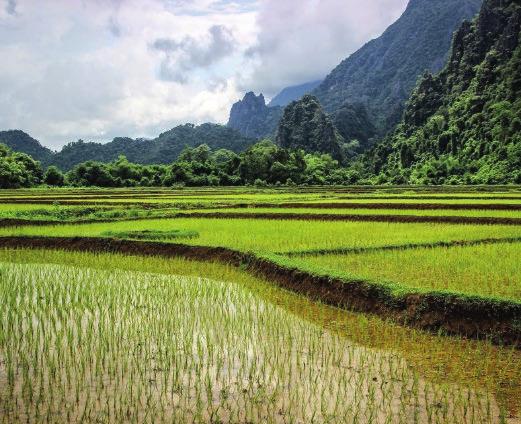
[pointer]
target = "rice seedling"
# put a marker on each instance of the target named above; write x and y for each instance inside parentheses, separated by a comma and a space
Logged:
(362, 211)
(114, 345)
(285, 235)
(490, 270)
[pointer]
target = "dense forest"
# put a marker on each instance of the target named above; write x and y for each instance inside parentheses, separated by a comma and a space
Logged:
(464, 124)
(163, 149)
(262, 164)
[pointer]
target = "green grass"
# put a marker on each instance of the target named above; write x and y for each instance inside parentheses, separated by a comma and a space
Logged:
(492, 270)
(283, 236)
(130, 345)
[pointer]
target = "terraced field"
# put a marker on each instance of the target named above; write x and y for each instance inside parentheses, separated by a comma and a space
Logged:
(383, 305)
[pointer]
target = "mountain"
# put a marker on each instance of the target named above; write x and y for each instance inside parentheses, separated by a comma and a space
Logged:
(306, 126)
(19, 141)
(383, 73)
(464, 124)
(163, 149)
(291, 94)
(252, 118)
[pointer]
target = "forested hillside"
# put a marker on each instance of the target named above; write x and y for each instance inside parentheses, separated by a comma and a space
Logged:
(19, 141)
(381, 75)
(306, 126)
(164, 149)
(464, 124)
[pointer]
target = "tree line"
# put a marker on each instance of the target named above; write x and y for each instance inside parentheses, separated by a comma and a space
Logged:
(262, 164)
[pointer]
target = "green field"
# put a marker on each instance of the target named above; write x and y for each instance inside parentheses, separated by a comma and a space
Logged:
(175, 337)
(483, 270)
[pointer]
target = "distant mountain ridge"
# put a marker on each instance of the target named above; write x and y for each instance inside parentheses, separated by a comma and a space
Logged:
(252, 117)
(294, 93)
(161, 150)
(19, 141)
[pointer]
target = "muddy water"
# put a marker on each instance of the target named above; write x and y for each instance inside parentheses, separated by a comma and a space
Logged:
(84, 345)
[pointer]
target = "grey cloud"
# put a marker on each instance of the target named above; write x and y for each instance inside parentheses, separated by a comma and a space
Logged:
(302, 40)
(191, 53)
(113, 27)
(10, 8)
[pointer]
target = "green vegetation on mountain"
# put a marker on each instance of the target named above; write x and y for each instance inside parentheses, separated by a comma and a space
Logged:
(365, 95)
(464, 124)
(162, 150)
(382, 74)
(19, 141)
(306, 126)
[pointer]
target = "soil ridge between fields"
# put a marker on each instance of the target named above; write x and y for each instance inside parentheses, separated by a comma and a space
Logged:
(454, 314)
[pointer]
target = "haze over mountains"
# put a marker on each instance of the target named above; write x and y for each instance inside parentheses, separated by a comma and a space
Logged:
(455, 124)
(373, 84)
(163, 149)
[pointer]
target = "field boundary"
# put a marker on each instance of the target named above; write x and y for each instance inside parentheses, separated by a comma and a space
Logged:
(455, 314)
(406, 219)
(393, 219)
(361, 250)
(383, 206)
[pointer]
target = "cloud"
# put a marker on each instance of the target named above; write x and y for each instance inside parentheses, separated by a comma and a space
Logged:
(91, 73)
(302, 40)
(96, 69)
(10, 7)
(182, 57)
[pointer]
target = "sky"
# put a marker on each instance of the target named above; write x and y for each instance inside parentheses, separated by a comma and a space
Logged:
(97, 69)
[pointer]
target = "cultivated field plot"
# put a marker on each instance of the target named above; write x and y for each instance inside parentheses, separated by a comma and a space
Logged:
(210, 305)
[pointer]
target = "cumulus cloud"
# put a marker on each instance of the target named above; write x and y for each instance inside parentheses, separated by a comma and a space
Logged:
(96, 69)
(181, 57)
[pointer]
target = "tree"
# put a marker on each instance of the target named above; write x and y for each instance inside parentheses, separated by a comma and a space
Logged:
(53, 177)
(18, 169)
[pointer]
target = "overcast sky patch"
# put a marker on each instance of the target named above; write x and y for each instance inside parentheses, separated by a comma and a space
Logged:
(104, 68)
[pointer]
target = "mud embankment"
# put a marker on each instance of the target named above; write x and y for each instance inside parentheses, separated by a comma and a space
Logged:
(438, 244)
(356, 218)
(472, 317)
(390, 206)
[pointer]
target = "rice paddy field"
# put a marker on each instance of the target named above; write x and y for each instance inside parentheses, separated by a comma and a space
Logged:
(243, 305)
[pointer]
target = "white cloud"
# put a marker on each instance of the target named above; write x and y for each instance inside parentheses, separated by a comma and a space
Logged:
(96, 69)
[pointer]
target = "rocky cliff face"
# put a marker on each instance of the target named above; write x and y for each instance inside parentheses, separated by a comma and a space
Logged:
(464, 124)
(252, 118)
